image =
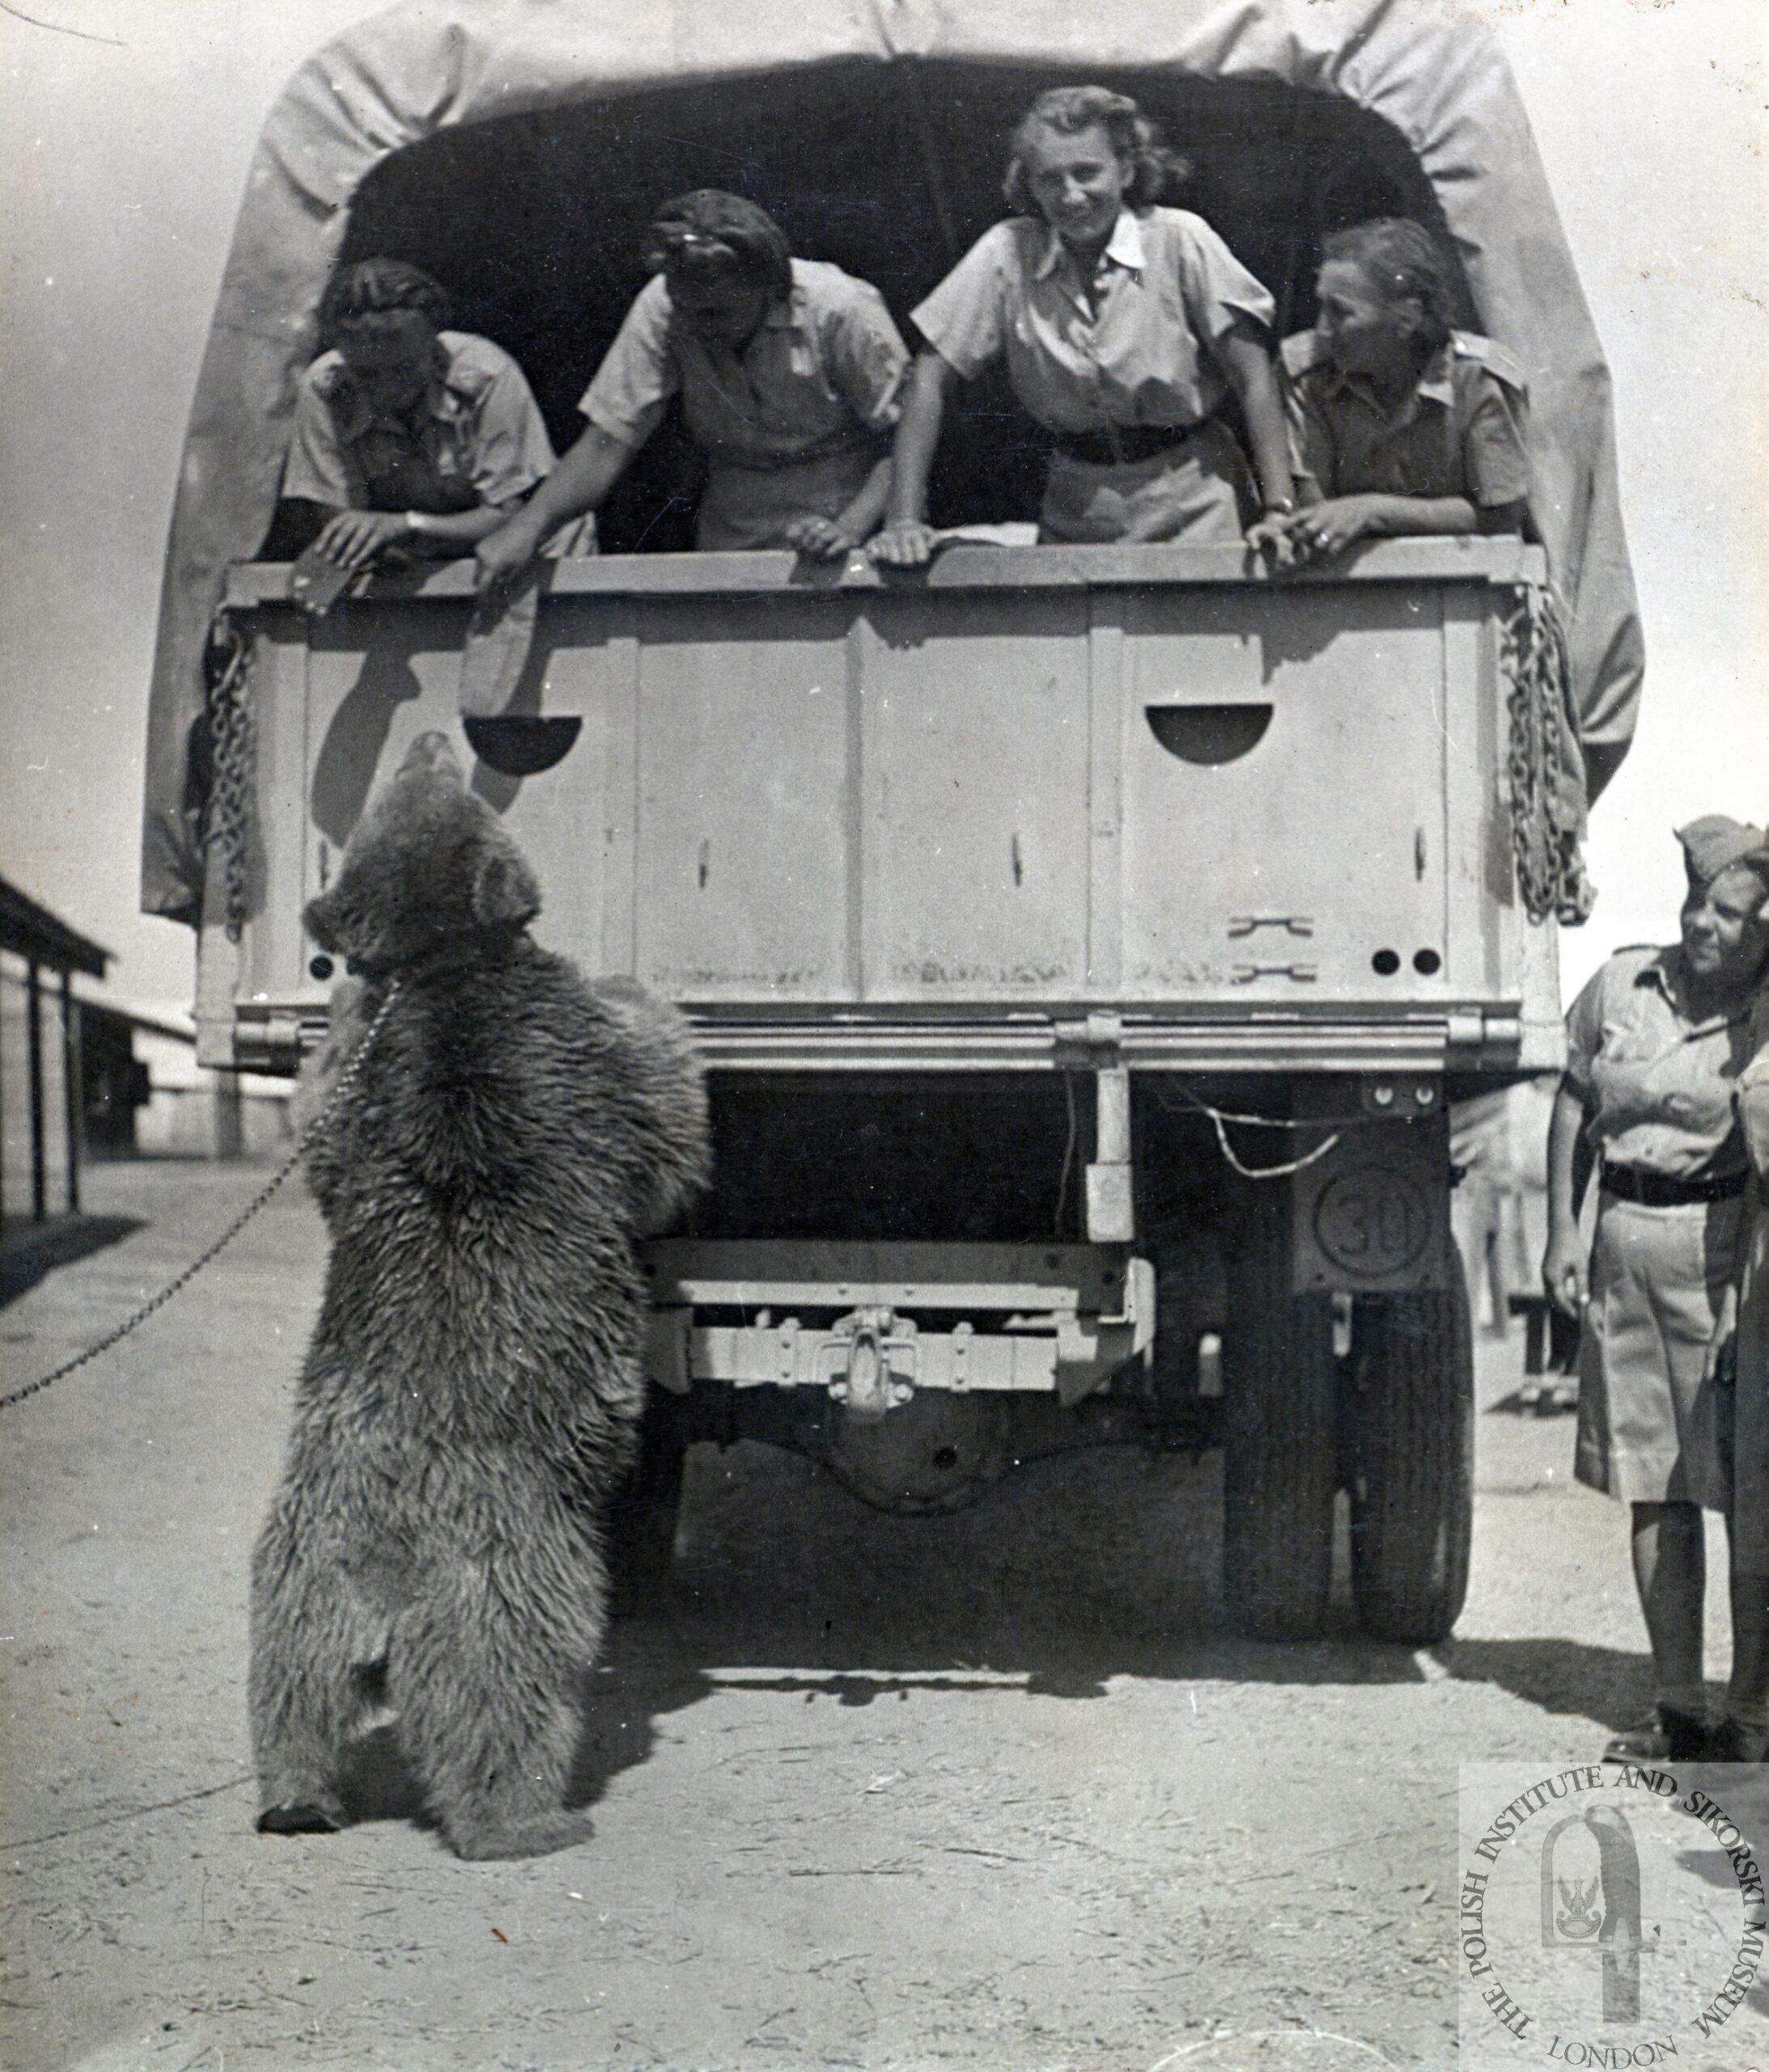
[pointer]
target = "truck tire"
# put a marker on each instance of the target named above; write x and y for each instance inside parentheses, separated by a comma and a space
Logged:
(1280, 1460)
(1412, 1461)
(642, 1516)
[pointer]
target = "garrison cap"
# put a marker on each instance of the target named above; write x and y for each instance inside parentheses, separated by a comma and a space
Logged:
(1715, 842)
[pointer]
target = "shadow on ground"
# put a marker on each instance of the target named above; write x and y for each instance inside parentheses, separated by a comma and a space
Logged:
(26, 1260)
(1066, 1575)
(1560, 1676)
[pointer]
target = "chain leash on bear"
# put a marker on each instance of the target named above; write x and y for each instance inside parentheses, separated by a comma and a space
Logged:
(347, 1079)
(1546, 819)
(227, 812)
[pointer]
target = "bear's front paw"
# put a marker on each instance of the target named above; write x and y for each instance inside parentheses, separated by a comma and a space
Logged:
(538, 1835)
(311, 1815)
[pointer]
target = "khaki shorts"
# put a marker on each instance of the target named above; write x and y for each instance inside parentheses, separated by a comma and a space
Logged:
(1650, 1430)
(1199, 491)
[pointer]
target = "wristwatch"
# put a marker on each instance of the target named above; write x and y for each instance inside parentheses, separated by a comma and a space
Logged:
(1281, 506)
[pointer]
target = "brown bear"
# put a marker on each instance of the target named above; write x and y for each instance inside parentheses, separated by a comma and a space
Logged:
(473, 1391)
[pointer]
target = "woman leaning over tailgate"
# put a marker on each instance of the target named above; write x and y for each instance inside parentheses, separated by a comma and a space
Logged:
(1124, 327)
(789, 372)
(1398, 421)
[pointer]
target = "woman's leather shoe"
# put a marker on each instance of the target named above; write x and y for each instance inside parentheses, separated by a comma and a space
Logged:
(1665, 1735)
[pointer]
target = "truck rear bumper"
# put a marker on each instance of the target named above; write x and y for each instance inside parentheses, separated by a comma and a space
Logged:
(872, 1323)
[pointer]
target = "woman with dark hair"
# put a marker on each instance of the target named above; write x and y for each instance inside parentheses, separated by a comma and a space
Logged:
(1398, 421)
(1657, 1047)
(789, 372)
(1124, 327)
(408, 434)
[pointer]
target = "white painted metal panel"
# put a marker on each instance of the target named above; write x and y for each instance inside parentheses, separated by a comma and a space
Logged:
(974, 769)
(1284, 795)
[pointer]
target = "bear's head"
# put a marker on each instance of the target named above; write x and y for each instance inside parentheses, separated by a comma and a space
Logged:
(428, 864)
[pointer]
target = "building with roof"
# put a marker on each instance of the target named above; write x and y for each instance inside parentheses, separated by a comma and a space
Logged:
(84, 1078)
(39, 1060)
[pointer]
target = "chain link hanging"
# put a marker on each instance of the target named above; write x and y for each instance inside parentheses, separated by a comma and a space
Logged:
(346, 1080)
(1545, 765)
(228, 811)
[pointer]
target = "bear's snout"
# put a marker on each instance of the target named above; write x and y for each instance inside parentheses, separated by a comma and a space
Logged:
(432, 754)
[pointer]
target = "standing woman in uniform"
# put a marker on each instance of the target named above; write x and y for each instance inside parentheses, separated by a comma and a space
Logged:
(1655, 1044)
(789, 372)
(1125, 327)
(1742, 1736)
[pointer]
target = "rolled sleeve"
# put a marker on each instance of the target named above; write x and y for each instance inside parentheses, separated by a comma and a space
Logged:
(1584, 1032)
(964, 320)
(511, 450)
(1218, 293)
(1494, 444)
(632, 388)
(316, 468)
(867, 358)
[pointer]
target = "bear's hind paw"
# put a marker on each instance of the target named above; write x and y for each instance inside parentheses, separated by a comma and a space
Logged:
(302, 1816)
(540, 1834)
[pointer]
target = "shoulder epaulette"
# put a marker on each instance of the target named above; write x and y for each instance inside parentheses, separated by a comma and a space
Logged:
(1500, 363)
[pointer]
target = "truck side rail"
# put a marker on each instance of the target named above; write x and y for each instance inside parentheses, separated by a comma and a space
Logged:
(853, 818)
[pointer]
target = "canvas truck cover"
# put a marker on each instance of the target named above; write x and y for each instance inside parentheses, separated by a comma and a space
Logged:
(540, 116)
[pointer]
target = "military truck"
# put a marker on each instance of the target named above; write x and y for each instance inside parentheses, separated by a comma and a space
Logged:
(1085, 943)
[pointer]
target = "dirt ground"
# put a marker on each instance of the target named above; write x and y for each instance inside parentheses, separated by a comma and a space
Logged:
(995, 1791)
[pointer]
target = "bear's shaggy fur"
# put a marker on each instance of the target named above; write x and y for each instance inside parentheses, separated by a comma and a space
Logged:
(474, 1390)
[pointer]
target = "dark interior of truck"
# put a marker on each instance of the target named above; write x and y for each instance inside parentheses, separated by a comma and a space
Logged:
(534, 224)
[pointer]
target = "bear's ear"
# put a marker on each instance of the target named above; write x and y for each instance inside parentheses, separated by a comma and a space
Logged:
(505, 894)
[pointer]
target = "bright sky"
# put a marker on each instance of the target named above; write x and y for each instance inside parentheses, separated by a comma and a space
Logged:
(123, 173)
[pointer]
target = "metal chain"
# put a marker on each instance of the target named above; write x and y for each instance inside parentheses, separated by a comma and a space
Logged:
(347, 1079)
(227, 811)
(1547, 831)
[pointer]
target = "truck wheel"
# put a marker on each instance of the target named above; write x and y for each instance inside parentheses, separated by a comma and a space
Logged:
(1412, 1454)
(1280, 1464)
(641, 1515)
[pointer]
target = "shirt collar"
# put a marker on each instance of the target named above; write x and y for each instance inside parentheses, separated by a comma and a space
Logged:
(787, 314)
(446, 400)
(1434, 385)
(1124, 247)
(1667, 975)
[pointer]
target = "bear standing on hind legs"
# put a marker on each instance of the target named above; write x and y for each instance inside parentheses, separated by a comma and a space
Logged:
(473, 1391)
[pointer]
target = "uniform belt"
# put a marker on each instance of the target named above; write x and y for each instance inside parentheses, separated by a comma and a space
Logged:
(860, 438)
(1117, 444)
(1659, 1190)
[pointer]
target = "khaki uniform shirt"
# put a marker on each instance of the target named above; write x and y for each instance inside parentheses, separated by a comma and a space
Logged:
(1661, 1088)
(1460, 432)
(1753, 1086)
(477, 438)
(824, 370)
(1169, 292)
